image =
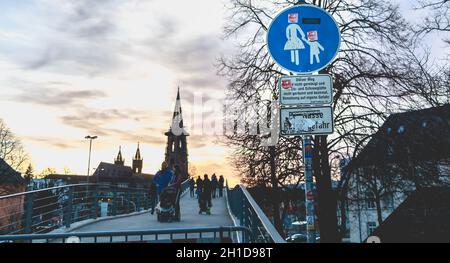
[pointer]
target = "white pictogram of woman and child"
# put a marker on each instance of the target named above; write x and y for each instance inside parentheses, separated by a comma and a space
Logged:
(294, 43)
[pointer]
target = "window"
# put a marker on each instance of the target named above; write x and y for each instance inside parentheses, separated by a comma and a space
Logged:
(370, 201)
(371, 226)
(388, 200)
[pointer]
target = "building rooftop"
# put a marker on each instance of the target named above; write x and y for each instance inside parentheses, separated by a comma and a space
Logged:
(8, 175)
(420, 135)
(423, 217)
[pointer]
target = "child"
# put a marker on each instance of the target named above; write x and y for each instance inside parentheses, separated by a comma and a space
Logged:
(314, 47)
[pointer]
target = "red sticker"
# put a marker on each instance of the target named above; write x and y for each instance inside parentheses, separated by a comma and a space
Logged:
(310, 195)
(293, 18)
(312, 36)
(286, 84)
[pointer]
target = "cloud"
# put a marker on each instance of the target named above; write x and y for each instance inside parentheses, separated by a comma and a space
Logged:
(61, 143)
(95, 120)
(78, 39)
(48, 96)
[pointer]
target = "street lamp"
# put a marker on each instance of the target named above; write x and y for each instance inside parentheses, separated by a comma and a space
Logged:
(90, 138)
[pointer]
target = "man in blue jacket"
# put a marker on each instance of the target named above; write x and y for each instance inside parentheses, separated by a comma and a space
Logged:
(162, 178)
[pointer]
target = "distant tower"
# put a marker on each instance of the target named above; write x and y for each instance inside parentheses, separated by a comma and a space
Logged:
(176, 149)
(137, 162)
(119, 159)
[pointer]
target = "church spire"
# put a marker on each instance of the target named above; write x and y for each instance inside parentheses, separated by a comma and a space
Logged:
(137, 161)
(177, 119)
(119, 159)
(176, 149)
(137, 156)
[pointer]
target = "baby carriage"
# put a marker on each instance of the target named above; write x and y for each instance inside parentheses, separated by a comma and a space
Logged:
(166, 209)
(203, 203)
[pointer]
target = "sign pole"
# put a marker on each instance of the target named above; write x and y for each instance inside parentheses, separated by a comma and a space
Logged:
(309, 196)
(304, 39)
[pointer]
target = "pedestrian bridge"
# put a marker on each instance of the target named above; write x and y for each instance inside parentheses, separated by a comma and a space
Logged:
(103, 213)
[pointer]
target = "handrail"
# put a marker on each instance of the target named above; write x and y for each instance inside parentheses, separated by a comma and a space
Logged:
(265, 221)
(65, 186)
(46, 209)
(127, 233)
(247, 211)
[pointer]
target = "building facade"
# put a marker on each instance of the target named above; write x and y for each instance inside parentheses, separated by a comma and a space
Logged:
(411, 151)
(11, 209)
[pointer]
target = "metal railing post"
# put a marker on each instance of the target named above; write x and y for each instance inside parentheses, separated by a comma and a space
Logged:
(95, 202)
(241, 205)
(138, 202)
(254, 226)
(29, 213)
(68, 213)
(113, 204)
(128, 202)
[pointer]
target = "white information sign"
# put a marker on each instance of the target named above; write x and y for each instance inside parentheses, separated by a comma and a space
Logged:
(306, 121)
(306, 90)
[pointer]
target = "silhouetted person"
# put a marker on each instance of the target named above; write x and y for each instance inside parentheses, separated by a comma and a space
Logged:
(206, 189)
(162, 178)
(199, 184)
(153, 196)
(191, 186)
(214, 185)
(221, 185)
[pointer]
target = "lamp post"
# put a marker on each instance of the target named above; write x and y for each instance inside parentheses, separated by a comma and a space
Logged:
(90, 138)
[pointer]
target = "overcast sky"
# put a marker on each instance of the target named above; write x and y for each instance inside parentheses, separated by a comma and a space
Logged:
(110, 68)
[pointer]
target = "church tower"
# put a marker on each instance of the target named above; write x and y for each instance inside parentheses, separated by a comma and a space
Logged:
(119, 159)
(176, 149)
(137, 162)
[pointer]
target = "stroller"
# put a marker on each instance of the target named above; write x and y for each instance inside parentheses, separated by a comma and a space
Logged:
(203, 203)
(166, 209)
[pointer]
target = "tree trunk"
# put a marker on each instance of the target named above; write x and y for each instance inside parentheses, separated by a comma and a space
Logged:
(379, 212)
(326, 197)
(343, 212)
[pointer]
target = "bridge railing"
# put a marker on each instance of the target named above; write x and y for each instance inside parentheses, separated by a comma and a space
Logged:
(41, 211)
(250, 215)
(206, 234)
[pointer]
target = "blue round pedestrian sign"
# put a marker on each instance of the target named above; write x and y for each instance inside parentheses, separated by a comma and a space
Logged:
(303, 39)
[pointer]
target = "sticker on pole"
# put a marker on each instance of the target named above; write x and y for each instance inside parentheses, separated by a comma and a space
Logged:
(306, 121)
(306, 90)
(303, 39)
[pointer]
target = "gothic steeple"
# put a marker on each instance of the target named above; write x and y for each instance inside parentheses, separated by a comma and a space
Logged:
(176, 149)
(137, 161)
(177, 125)
(119, 159)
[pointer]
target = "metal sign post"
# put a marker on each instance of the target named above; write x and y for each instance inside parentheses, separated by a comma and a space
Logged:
(309, 195)
(304, 39)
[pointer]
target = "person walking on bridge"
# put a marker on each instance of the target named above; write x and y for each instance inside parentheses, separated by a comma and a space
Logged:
(162, 178)
(214, 185)
(221, 185)
(191, 186)
(199, 185)
(206, 189)
(153, 196)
